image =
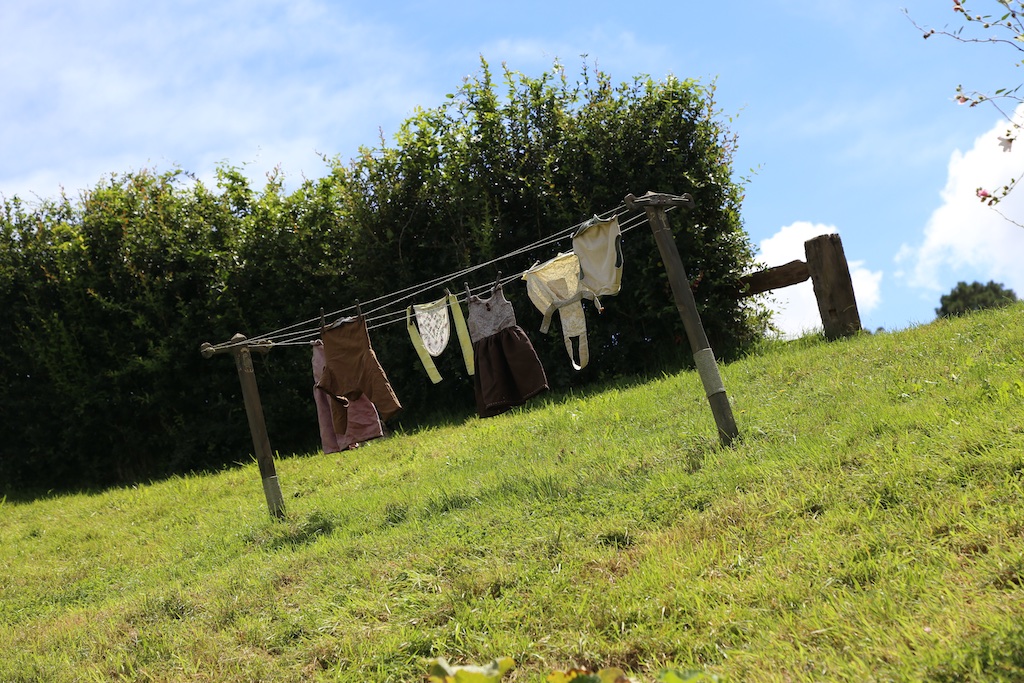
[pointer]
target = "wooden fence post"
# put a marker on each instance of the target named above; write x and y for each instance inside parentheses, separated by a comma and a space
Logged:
(654, 204)
(786, 275)
(257, 424)
(833, 286)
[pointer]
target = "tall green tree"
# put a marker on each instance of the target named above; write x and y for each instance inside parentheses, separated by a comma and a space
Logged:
(974, 297)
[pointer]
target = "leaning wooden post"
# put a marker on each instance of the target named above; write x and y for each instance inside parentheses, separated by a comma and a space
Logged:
(833, 286)
(254, 411)
(654, 204)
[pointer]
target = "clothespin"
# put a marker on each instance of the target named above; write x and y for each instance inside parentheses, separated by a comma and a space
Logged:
(323, 321)
(468, 293)
(497, 283)
(358, 309)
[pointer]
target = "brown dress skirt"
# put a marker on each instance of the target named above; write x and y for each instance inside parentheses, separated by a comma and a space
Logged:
(352, 371)
(508, 371)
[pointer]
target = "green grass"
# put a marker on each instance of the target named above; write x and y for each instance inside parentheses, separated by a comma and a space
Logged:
(869, 526)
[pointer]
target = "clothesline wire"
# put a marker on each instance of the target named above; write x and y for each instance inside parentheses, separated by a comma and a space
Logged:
(397, 316)
(291, 336)
(415, 290)
(306, 336)
(279, 337)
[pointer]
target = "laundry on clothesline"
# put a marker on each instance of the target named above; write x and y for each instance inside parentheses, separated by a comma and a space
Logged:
(598, 246)
(363, 421)
(352, 370)
(508, 371)
(431, 331)
(555, 286)
(353, 396)
(591, 270)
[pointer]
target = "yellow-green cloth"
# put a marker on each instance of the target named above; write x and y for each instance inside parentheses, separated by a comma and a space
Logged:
(428, 315)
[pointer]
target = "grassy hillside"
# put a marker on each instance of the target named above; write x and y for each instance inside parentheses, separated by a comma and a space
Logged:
(869, 526)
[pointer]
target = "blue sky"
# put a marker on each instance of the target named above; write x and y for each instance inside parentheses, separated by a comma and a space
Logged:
(845, 116)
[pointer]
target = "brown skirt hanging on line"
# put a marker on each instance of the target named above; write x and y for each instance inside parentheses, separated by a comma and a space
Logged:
(508, 371)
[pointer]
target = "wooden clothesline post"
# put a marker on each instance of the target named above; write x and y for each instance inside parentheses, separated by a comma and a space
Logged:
(254, 411)
(655, 205)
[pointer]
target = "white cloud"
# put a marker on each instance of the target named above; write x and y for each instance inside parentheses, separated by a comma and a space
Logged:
(795, 307)
(100, 87)
(965, 239)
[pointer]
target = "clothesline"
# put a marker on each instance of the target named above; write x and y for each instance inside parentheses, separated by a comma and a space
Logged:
(399, 316)
(304, 332)
(289, 336)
